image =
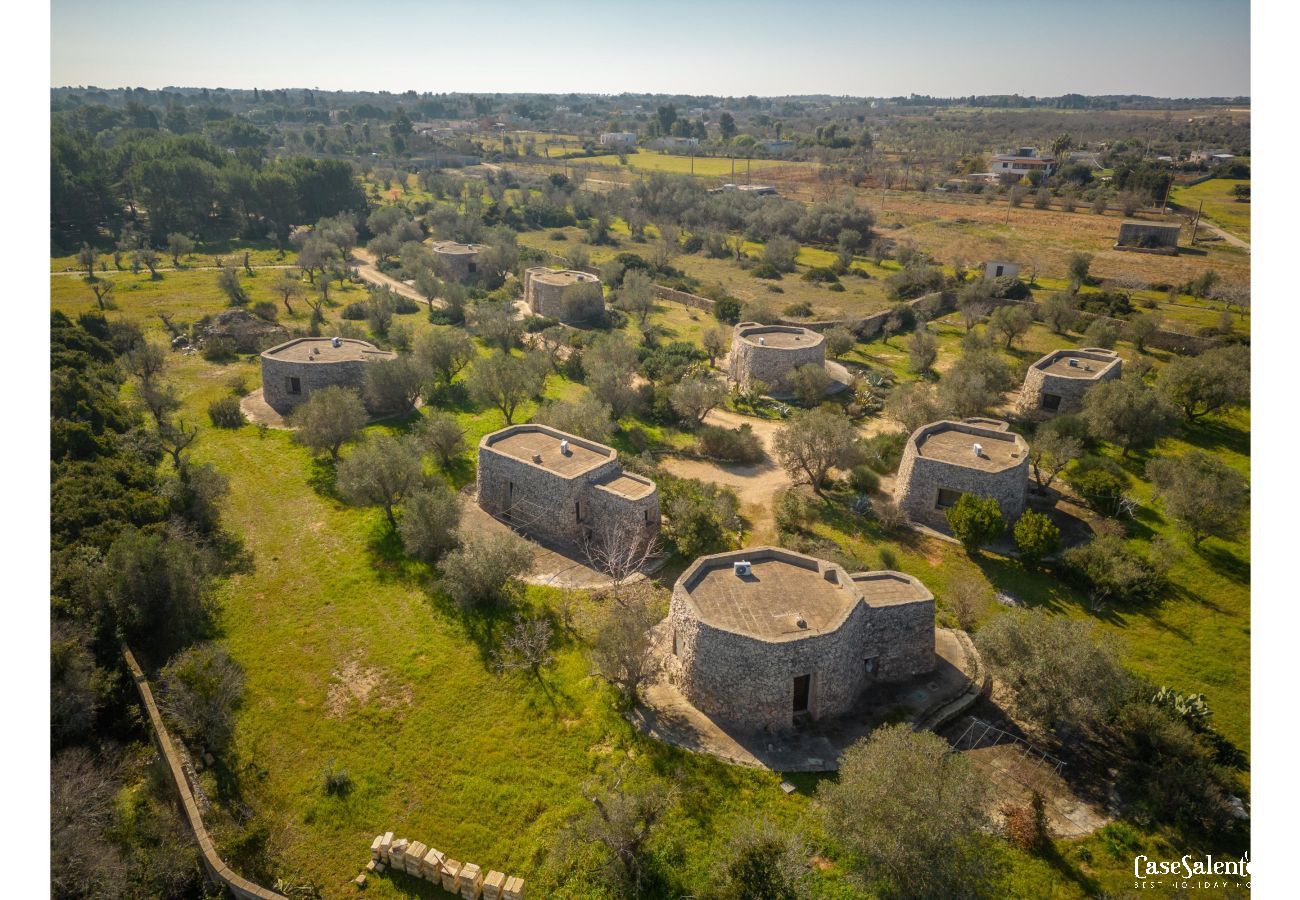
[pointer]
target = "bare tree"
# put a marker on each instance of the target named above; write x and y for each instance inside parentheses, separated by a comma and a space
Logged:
(623, 649)
(527, 647)
(102, 288)
(289, 287)
(176, 439)
(619, 549)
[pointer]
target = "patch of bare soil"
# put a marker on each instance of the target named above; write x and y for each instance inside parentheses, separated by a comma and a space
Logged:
(355, 683)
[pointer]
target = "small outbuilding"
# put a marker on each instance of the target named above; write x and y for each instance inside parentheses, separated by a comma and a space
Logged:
(1057, 382)
(294, 370)
(998, 268)
(562, 487)
(1148, 237)
(457, 261)
(943, 460)
(763, 637)
(568, 295)
(768, 353)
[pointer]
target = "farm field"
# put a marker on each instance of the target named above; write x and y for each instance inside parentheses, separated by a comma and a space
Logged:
(704, 166)
(1221, 206)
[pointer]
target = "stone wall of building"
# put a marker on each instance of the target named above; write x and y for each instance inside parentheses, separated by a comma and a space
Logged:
(573, 303)
(1071, 390)
(917, 484)
(1152, 236)
(748, 683)
(750, 360)
(548, 505)
(312, 376)
(902, 638)
(457, 262)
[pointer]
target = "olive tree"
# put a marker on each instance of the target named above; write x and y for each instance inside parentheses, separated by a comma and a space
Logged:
(485, 569)
(622, 649)
(911, 816)
(1205, 496)
(442, 435)
(199, 691)
(1011, 321)
(381, 472)
(328, 419)
(430, 516)
(814, 442)
(809, 383)
(1200, 385)
(695, 396)
(444, 352)
(610, 366)
(1128, 413)
(392, 385)
(506, 381)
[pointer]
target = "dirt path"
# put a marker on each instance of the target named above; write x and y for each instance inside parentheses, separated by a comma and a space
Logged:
(365, 267)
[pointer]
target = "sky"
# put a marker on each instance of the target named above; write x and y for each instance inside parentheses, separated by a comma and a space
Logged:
(1166, 48)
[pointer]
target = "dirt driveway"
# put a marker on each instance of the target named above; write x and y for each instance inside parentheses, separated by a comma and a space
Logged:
(365, 267)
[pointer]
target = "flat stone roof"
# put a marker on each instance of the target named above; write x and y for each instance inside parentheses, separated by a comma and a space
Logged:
(1087, 364)
(562, 276)
(887, 588)
(528, 442)
(953, 443)
(783, 589)
(626, 485)
(455, 247)
(782, 336)
(322, 349)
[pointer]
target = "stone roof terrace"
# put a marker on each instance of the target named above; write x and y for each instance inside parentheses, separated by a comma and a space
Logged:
(539, 445)
(782, 589)
(1087, 364)
(323, 350)
(954, 443)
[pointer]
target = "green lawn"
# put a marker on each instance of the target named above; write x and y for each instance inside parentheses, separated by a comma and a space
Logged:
(1221, 206)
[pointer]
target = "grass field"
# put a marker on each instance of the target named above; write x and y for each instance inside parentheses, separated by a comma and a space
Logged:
(704, 166)
(1221, 207)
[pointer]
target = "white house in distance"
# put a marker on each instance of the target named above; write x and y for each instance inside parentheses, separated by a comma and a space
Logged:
(1022, 162)
(618, 139)
(996, 268)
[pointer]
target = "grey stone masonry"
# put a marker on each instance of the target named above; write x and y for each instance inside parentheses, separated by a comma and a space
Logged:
(768, 353)
(457, 261)
(562, 487)
(1057, 382)
(568, 295)
(292, 371)
(792, 635)
(945, 459)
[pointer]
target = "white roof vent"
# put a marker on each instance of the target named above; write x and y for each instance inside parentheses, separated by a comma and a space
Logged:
(336, 342)
(564, 447)
(743, 568)
(978, 448)
(1073, 363)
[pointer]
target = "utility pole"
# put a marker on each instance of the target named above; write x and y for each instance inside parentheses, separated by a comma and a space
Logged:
(1197, 221)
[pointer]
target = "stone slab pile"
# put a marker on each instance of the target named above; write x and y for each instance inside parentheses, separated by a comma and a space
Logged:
(464, 879)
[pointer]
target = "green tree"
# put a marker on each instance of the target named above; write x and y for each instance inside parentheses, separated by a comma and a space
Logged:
(442, 435)
(1128, 413)
(1205, 496)
(430, 516)
(695, 396)
(838, 342)
(1200, 385)
(1011, 321)
(1036, 537)
(910, 816)
(1077, 267)
(485, 569)
(975, 521)
(809, 383)
(444, 353)
(814, 442)
(505, 382)
(328, 419)
(231, 286)
(392, 385)
(179, 245)
(380, 472)
(199, 691)
(922, 351)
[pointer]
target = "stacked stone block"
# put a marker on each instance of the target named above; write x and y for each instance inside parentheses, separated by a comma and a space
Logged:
(768, 353)
(415, 858)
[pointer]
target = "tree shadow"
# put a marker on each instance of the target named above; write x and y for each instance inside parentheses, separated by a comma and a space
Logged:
(1225, 562)
(322, 477)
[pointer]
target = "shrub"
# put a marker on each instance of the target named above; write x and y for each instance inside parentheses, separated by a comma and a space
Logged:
(266, 310)
(403, 305)
(887, 513)
(738, 445)
(225, 412)
(484, 570)
(218, 349)
(1036, 537)
(727, 309)
(975, 520)
(338, 782)
(1101, 482)
(765, 270)
(801, 309)
(863, 478)
(821, 274)
(1115, 304)
(1008, 287)
(1116, 570)
(883, 452)
(355, 312)
(792, 509)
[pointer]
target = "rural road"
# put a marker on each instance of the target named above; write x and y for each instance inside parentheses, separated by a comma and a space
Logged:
(365, 267)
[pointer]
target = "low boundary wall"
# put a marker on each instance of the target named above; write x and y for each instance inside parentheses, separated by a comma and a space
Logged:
(217, 869)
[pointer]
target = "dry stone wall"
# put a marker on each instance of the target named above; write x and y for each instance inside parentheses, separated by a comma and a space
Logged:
(751, 360)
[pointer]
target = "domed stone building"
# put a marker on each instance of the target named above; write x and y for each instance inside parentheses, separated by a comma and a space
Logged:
(765, 636)
(457, 261)
(568, 295)
(294, 370)
(768, 353)
(943, 460)
(1057, 382)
